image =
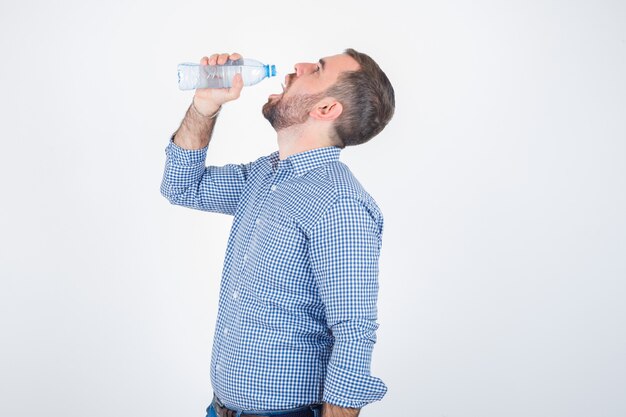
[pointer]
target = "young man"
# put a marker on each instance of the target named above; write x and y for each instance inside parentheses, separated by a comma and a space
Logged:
(297, 308)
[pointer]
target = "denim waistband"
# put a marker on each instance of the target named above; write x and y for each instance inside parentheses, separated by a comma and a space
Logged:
(313, 410)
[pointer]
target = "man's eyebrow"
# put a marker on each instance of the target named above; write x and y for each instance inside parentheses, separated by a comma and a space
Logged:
(322, 63)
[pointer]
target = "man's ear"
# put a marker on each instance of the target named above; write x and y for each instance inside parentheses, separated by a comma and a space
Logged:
(327, 109)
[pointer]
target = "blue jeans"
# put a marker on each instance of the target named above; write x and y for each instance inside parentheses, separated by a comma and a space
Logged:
(210, 412)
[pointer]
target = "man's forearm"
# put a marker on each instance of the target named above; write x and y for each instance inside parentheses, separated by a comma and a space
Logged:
(196, 129)
(330, 410)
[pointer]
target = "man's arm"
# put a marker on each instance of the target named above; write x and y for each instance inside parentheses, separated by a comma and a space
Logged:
(197, 127)
(344, 248)
(186, 180)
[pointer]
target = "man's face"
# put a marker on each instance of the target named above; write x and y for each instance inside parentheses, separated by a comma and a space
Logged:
(304, 88)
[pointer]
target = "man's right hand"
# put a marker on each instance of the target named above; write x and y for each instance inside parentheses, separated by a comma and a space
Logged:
(209, 100)
(196, 129)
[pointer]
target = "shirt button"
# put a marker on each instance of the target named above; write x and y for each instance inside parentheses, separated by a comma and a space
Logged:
(226, 331)
(273, 188)
(258, 221)
(245, 258)
(235, 295)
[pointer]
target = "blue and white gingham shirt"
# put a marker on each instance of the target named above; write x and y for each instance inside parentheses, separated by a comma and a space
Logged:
(297, 308)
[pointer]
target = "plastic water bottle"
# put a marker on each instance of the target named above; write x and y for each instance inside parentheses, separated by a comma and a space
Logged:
(192, 76)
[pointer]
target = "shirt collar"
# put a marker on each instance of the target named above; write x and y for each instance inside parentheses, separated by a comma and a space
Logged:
(302, 162)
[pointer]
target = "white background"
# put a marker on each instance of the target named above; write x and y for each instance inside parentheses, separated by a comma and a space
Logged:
(501, 177)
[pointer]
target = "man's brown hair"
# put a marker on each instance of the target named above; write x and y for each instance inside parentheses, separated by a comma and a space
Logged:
(368, 101)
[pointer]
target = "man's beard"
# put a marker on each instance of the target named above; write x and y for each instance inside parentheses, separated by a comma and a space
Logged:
(289, 111)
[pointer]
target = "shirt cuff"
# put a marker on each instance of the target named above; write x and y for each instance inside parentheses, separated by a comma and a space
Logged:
(185, 157)
(351, 390)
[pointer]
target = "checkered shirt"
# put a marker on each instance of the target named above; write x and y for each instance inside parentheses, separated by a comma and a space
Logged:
(297, 306)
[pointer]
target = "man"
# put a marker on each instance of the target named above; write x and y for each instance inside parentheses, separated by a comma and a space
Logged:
(297, 308)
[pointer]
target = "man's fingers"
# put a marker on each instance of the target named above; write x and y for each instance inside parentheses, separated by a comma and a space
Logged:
(221, 59)
(219, 95)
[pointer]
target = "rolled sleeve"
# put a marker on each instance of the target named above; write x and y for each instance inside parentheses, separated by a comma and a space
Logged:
(188, 182)
(345, 246)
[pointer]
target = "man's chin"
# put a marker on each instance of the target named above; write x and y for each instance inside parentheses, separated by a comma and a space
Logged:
(267, 110)
(273, 101)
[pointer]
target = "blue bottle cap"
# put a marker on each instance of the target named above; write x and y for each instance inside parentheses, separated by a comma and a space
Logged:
(270, 70)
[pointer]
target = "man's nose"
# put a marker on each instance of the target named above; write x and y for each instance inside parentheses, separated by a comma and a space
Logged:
(303, 68)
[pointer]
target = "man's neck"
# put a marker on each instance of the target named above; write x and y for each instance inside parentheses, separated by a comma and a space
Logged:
(297, 139)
